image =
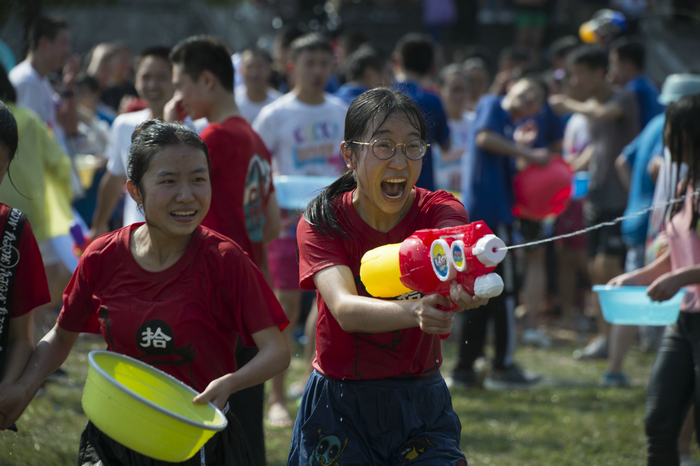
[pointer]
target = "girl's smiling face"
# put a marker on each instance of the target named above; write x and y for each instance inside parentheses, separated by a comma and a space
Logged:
(384, 187)
(175, 191)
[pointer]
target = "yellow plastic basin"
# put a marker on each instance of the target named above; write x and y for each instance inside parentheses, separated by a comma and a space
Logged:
(146, 409)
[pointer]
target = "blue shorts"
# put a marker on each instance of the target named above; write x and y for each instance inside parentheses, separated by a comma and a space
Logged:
(376, 422)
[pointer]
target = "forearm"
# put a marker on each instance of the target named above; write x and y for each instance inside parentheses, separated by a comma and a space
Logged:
(581, 162)
(688, 275)
(107, 197)
(647, 274)
(593, 110)
(20, 344)
(269, 362)
(371, 315)
(491, 142)
(48, 355)
(272, 220)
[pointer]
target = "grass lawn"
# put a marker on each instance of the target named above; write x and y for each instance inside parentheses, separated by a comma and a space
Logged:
(565, 420)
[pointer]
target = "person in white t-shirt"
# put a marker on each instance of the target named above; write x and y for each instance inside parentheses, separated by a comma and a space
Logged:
(255, 92)
(154, 86)
(303, 131)
(454, 94)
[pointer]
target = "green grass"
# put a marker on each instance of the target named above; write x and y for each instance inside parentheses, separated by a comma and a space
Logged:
(565, 420)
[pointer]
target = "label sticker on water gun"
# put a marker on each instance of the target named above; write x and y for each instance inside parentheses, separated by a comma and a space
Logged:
(440, 260)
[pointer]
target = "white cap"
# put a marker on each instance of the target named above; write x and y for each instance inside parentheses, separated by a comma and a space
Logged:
(490, 250)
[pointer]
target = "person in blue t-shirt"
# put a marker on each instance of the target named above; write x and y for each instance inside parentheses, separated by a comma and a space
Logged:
(365, 69)
(413, 62)
(487, 194)
(627, 69)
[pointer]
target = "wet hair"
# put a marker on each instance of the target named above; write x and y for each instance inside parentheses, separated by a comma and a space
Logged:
(150, 138)
(358, 62)
(416, 52)
(199, 53)
(682, 138)
(7, 90)
(158, 51)
(45, 26)
(592, 56)
(367, 113)
(9, 137)
(309, 43)
(630, 50)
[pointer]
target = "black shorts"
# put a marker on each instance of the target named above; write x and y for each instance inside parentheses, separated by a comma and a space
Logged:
(530, 230)
(226, 448)
(604, 240)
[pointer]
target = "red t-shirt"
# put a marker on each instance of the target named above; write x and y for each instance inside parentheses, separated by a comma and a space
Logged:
(184, 320)
(241, 184)
(31, 288)
(364, 356)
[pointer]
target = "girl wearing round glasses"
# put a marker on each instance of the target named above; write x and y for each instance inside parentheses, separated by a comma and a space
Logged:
(376, 395)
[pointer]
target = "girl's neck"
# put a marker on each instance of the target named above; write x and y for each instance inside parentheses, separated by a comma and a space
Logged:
(377, 219)
(156, 251)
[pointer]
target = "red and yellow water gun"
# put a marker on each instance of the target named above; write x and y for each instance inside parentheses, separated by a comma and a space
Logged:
(429, 260)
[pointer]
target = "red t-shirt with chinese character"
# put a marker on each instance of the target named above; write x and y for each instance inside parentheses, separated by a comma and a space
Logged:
(31, 289)
(241, 183)
(365, 356)
(184, 320)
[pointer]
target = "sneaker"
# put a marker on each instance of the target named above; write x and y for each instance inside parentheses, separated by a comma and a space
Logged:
(596, 349)
(614, 380)
(463, 378)
(510, 378)
(535, 337)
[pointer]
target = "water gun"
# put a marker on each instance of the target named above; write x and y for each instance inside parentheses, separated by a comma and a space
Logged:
(81, 241)
(429, 260)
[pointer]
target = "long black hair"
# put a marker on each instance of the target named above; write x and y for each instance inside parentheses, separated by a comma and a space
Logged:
(682, 138)
(366, 114)
(9, 136)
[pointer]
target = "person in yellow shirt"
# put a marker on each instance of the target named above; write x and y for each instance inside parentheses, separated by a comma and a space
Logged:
(39, 184)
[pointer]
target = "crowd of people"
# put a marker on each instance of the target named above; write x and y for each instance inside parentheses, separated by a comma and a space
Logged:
(150, 190)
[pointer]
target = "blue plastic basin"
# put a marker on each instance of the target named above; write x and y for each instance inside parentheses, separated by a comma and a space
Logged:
(295, 192)
(630, 305)
(579, 185)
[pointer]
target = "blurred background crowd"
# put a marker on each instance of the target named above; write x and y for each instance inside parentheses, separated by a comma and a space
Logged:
(586, 81)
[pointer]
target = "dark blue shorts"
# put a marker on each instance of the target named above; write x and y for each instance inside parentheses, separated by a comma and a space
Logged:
(376, 422)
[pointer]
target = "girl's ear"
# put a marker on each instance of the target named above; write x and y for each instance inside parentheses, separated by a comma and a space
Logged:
(348, 156)
(134, 192)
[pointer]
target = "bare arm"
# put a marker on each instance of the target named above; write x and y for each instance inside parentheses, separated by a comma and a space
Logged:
(654, 167)
(624, 171)
(48, 355)
(107, 197)
(370, 315)
(647, 274)
(273, 223)
(497, 144)
(20, 345)
(595, 111)
(272, 359)
(580, 163)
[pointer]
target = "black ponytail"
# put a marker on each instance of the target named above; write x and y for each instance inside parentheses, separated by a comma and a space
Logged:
(366, 114)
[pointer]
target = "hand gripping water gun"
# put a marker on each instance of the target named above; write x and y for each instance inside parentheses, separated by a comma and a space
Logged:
(428, 260)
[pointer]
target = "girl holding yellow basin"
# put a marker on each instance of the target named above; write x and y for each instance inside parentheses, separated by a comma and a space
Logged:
(376, 395)
(170, 293)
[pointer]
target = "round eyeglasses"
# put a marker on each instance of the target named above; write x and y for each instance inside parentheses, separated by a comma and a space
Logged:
(384, 149)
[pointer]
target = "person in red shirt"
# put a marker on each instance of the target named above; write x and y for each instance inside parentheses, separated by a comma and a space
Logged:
(169, 292)
(375, 358)
(244, 207)
(31, 289)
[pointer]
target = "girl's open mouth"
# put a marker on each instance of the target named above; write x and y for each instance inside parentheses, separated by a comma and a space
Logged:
(184, 215)
(393, 188)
